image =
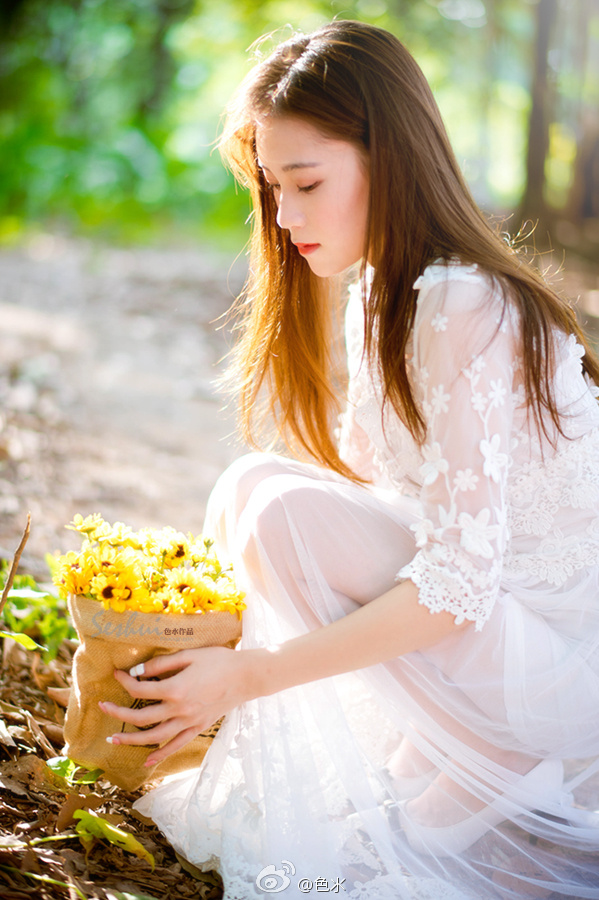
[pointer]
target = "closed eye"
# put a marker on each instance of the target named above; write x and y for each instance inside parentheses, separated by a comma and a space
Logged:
(309, 188)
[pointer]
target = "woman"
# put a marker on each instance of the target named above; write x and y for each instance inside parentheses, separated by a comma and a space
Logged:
(415, 697)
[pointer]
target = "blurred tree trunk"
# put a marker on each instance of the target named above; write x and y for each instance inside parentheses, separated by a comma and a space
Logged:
(584, 196)
(490, 40)
(162, 66)
(533, 203)
(9, 10)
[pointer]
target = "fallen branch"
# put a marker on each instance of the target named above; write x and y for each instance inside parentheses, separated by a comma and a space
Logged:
(15, 564)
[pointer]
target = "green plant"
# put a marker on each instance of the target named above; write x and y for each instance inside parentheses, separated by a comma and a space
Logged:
(72, 773)
(35, 616)
(90, 827)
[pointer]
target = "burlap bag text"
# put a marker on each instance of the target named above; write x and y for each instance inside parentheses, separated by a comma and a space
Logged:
(112, 640)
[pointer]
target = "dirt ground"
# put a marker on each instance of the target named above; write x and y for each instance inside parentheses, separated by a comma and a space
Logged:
(107, 401)
(107, 404)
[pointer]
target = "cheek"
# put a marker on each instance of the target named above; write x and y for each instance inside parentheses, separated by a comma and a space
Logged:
(364, 201)
(359, 195)
(358, 215)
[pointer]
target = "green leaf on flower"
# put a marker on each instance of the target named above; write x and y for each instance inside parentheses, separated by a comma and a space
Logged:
(71, 772)
(22, 639)
(90, 827)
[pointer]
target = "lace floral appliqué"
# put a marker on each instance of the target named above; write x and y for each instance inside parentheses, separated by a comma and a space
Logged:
(493, 496)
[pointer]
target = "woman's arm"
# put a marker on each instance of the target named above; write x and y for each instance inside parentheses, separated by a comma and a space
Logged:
(464, 360)
(390, 626)
(209, 682)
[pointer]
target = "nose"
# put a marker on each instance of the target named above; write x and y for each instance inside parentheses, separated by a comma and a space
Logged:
(289, 214)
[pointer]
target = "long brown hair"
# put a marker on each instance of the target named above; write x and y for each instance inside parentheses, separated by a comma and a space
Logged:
(358, 83)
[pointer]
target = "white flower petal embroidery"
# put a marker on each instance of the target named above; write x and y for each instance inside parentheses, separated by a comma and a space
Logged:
(447, 517)
(477, 533)
(439, 323)
(497, 394)
(478, 364)
(479, 403)
(422, 531)
(495, 461)
(440, 400)
(465, 480)
(433, 464)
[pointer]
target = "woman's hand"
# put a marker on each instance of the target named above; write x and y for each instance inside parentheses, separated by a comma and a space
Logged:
(213, 680)
(207, 683)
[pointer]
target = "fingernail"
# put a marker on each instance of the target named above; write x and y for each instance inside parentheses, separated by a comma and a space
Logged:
(112, 740)
(150, 762)
(138, 670)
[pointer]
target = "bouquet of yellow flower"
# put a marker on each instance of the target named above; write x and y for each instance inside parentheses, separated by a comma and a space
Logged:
(150, 571)
(133, 595)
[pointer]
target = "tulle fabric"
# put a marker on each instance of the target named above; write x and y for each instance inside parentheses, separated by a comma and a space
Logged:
(300, 780)
(299, 793)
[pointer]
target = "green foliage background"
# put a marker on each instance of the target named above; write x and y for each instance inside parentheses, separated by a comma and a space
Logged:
(109, 109)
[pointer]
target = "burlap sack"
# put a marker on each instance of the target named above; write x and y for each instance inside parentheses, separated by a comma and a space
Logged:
(112, 640)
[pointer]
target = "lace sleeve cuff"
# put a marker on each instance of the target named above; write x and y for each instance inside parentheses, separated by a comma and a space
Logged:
(440, 590)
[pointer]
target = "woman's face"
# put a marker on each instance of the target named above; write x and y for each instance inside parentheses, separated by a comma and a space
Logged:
(320, 186)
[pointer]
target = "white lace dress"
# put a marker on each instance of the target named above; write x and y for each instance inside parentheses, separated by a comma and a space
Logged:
(492, 523)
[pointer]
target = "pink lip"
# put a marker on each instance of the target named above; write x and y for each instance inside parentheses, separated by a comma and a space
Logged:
(305, 249)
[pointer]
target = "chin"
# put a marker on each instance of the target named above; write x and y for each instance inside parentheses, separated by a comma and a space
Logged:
(327, 271)
(328, 268)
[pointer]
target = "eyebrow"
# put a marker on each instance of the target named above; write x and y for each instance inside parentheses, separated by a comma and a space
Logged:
(290, 167)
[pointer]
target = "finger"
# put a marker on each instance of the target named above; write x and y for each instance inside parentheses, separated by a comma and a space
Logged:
(183, 738)
(141, 718)
(158, 665)
(144, 690)
(165, 731)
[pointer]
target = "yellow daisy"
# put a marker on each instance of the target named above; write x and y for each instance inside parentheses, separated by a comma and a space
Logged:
(152, 570)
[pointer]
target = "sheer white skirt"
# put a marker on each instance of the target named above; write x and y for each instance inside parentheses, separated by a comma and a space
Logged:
(298, 783)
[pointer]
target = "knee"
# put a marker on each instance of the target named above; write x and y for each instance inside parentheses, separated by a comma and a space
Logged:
(239, 473)
(263, 528)
(235, 486)
(278, 512)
